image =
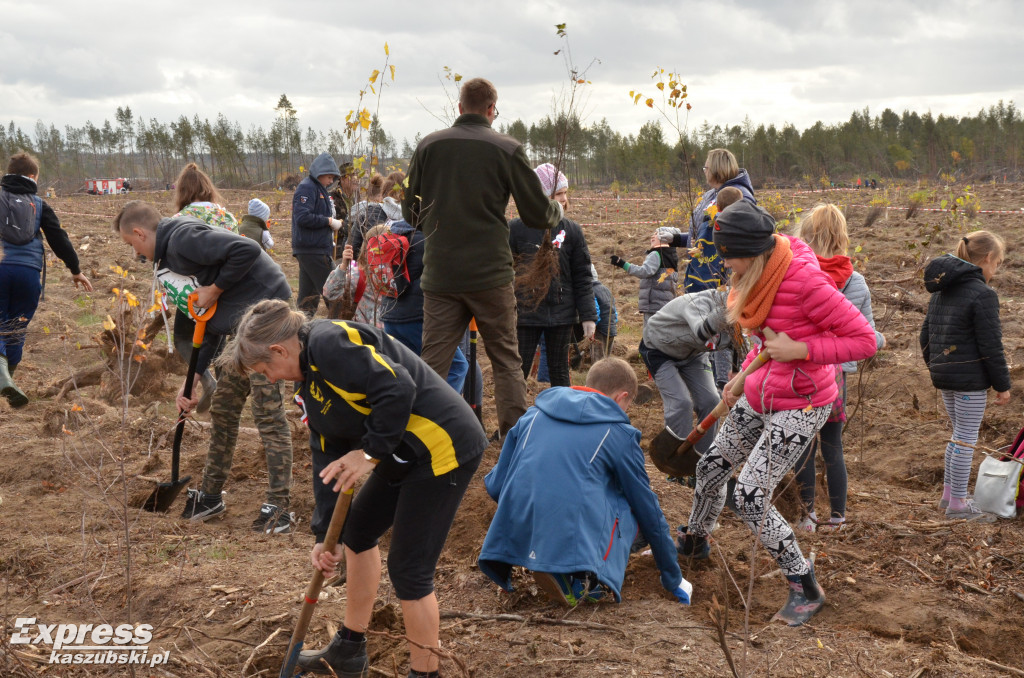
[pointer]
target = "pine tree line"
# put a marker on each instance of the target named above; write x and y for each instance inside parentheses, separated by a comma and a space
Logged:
(884, 147)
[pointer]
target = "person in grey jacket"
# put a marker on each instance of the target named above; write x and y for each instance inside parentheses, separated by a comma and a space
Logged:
(190, 256)
(657, 275)
(313, 230)
(675, 349)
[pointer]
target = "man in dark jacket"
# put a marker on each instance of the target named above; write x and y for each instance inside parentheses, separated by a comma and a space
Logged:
(313, 228)
(21, 264)
(189, 256)
(460, 180)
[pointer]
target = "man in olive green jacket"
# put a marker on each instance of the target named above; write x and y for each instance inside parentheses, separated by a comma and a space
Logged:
(460, 180)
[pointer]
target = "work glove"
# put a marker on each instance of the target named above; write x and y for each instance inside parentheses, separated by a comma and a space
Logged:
(618, 261)
(668, 233)
(683, 591)
(589, 327)
(335, 225)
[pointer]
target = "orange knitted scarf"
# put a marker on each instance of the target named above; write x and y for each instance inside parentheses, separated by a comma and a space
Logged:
(760, 299)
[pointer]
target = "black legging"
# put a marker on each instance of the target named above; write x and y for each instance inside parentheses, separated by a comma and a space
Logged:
(556, 342)
(835, 469)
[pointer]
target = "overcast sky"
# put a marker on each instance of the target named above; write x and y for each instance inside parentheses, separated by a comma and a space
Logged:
(65, 62)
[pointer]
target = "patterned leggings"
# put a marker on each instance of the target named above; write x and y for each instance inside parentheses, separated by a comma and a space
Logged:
(965, 409)
(769, 454)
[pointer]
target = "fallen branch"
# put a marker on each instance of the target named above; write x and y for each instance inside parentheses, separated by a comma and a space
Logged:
(971, 587)
(252, 655)
(73, 582)
(441, 654)
(1001, 667)
(521, 619)
(924, 574)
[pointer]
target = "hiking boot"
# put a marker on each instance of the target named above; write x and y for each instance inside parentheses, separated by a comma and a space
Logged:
(971, 513)
(567, 589)
(200, 506)
(806, 524)
(209, 384)
(345, 658)
(273, 520)
(943, 503)
(806, 598)
(690, 545)
(8, 389)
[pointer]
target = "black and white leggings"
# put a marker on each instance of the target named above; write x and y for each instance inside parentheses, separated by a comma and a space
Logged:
(769, 453)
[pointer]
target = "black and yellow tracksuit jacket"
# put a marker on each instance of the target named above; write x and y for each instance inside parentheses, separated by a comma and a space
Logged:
(364, 390)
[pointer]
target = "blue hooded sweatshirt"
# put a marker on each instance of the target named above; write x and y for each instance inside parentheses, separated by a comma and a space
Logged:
(572, 491)
(312, 210)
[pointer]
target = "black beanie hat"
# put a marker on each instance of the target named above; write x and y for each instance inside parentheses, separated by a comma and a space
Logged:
(743, 230)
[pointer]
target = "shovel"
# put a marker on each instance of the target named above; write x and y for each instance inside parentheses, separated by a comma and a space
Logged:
(471, 376)
(683, 462)
(163, 496)
(313, 591)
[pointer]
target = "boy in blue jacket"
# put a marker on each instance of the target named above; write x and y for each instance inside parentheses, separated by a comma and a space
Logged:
(575, 455)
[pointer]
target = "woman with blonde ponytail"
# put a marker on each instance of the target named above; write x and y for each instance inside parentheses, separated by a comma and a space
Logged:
(806, 326)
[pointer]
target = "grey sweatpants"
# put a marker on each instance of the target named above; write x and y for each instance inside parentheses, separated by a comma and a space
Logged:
(686, 385)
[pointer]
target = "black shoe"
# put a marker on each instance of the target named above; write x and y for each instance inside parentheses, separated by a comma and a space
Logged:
(347, 658)
(200, 506)
(691, 546)
(273, 520)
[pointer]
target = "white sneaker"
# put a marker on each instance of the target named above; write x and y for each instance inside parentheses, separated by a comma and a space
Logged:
(805, 525)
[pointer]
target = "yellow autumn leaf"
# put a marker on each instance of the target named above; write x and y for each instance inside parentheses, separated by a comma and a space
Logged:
(661, 86)
(387, 52)
(373, 76)
(650, 103)
(637, 97)
(46, 330)
(109, 324)
(77, 408)
(392, 67)
(458, 77)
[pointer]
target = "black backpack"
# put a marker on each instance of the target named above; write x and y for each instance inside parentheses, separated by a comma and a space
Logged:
(20, 216)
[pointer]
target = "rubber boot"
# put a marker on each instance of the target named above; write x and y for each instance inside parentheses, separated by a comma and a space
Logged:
(8, 389)
(346, 657)
(806, 598)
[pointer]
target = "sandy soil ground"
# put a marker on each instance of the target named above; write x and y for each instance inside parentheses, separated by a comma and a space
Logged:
(909, 594)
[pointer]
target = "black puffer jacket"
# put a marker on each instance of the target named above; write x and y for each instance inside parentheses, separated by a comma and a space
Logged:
(961, 338)
(573, 292)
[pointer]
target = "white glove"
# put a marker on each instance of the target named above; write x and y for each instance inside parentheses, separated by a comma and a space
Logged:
(335, 224)
(589, 327)
(668, 233)
(683, 592)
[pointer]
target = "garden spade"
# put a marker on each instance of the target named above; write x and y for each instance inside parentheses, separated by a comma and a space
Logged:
(291, 657)
(163, 496)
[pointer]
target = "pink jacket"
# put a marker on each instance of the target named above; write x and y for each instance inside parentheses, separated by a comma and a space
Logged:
(808, 308)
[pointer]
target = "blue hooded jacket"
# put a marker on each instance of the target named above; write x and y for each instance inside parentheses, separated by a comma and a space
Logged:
(572, 491)
(312, 210)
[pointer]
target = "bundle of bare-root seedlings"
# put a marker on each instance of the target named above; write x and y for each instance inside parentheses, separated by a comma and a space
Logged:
(534, 274)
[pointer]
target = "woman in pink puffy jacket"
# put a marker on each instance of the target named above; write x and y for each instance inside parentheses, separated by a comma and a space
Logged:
(778, 291)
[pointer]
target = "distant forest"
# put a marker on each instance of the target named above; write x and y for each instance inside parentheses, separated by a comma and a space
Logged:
(885, 147)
